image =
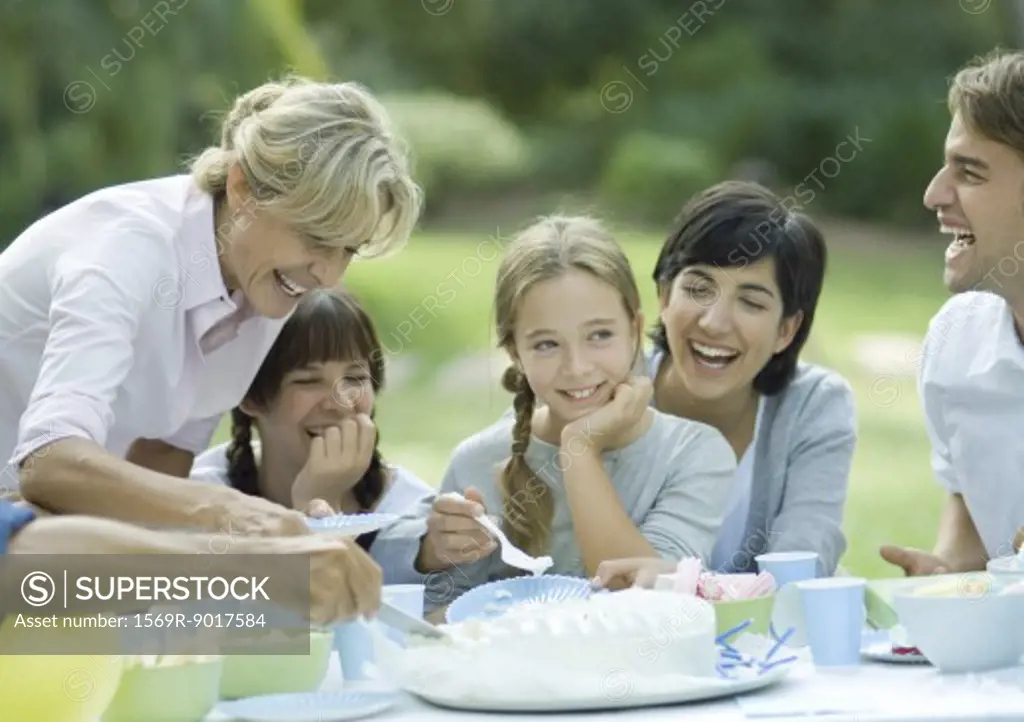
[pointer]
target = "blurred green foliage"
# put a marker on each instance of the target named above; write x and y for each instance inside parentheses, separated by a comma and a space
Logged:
(647, 174)
(501, 95)
(459, 143)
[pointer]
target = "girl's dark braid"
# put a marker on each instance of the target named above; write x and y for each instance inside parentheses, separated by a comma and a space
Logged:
(368, 490)
(243, 473)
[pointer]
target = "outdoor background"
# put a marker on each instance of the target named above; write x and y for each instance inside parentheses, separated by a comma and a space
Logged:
(514, 108)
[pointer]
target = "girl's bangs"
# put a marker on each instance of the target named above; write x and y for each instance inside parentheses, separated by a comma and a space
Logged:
(328, 326)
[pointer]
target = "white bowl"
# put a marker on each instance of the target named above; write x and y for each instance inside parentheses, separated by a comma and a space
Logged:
(964, 633)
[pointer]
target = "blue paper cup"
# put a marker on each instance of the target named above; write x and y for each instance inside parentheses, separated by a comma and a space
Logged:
(408, 598)
(354, 644)
(834, 616)
(788, 567)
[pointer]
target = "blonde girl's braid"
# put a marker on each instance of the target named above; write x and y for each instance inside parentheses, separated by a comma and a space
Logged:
(528, 508)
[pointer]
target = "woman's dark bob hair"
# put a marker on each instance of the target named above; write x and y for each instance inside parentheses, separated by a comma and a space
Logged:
(732, 225)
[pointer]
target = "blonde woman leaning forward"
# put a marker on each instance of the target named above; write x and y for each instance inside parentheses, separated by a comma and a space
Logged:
(134, 318)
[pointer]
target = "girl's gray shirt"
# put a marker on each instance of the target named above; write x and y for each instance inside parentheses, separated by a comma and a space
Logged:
(673, 482)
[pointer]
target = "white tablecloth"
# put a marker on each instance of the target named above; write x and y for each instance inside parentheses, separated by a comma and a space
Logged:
(873, 692)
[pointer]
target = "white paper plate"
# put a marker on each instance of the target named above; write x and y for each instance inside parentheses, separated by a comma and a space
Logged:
(307, 707)
(613, 697)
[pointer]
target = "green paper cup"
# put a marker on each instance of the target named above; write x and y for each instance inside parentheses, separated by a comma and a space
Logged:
(176, 693)
(57, 687)
(249, 675)
(732, 613)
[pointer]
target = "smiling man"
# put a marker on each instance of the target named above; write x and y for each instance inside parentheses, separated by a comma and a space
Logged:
(972, 367)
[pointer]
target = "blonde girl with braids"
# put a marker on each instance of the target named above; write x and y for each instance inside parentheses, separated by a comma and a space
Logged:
(134, 318)
(311, 406)
(585, 470)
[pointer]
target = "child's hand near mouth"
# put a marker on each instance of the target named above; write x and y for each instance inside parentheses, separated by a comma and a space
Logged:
(338, 458)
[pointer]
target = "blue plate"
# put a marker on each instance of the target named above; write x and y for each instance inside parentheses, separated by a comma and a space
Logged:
(493, 599)
(309, 707)
(351, 524)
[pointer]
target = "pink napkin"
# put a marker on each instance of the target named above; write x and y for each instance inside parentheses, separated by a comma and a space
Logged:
(690, 578)
(725, 587)
(687, 575)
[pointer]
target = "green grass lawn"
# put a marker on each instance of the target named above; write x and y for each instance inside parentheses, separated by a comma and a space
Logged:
(432, 301)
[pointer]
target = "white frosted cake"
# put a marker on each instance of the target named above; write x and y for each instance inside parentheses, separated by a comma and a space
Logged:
(610, 644)
(1010, 565)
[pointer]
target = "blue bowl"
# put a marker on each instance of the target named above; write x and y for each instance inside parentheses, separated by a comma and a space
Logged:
(491, 600)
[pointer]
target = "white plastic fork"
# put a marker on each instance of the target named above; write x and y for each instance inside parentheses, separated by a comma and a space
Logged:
(512, 555)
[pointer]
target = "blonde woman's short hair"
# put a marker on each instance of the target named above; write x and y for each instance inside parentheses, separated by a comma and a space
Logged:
(322, 157)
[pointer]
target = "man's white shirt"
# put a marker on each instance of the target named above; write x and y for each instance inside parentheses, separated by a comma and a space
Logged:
(972, 388)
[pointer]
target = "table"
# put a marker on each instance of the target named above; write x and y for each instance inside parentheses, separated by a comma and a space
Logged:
(872, 692)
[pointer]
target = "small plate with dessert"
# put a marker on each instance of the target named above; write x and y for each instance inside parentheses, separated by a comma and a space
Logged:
(892, 646)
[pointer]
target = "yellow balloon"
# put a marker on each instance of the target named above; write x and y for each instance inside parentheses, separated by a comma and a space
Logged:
(53, 687)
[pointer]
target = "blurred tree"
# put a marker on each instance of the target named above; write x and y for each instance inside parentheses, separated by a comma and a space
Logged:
(129, 90)
(284, 21)
(1018, 13)
(96, 92)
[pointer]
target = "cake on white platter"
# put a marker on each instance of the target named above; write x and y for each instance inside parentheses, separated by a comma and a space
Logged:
(575, 648)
